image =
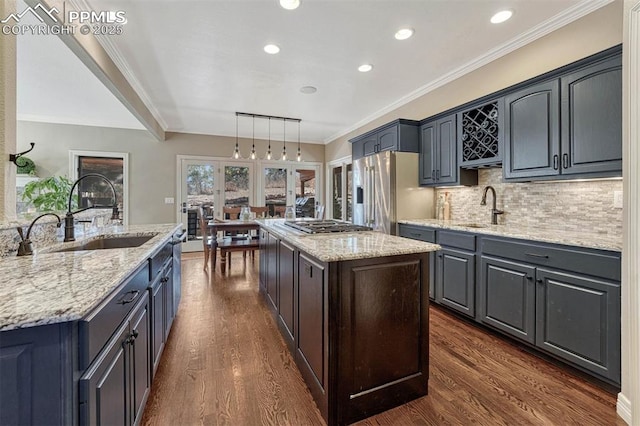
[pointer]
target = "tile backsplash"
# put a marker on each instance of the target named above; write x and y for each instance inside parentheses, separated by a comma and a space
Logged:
(574, 205)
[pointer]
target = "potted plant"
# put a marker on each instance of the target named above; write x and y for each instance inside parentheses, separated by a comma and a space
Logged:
(49, 194)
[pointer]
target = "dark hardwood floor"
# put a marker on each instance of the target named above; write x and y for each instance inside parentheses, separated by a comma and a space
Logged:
(225, 363)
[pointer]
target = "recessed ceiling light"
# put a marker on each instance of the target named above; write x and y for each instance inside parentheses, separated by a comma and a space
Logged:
(271, 49)
(308, 90)
(290, 4)
(365, 68)
(404, 33)
(501, 16)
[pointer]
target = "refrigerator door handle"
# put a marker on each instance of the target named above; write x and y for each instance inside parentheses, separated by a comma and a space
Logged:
(372, 215)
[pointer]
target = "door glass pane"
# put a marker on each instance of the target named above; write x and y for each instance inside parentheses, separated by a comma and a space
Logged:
(200, 192)
(236, 186)
(95, 191)
(349, 193)
(305, 193)
(336, 196)
(275, 190)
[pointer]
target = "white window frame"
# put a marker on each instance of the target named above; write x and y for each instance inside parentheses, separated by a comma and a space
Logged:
(340, 162)
(74, 155)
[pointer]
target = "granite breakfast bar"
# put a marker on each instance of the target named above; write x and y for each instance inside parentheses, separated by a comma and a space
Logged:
(353, 309)
(81, 329)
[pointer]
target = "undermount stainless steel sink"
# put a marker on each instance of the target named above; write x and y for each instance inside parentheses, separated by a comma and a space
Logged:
(472, 225)
(105, 243)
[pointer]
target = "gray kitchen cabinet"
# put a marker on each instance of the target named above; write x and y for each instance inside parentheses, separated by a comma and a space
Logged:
(576, 302)
(287, 290)
(399, 135)
(506, 297)
(264, 241)
(566, 127)
(34, 389)
(532, 131)
(591, 111)
(578, 319)
(157, 295)
(169, 312)
(455, 280)
(438, 155)
(423, 234)
(116, 385)
(272, 270)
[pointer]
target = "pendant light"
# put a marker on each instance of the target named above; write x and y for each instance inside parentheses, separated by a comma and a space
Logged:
(299, 155)
(236, 151)
(269, 149)
(284, 145)
(253, 139)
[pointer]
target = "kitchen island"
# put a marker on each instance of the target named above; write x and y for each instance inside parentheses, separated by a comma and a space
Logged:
(353, 309)
(81, 329)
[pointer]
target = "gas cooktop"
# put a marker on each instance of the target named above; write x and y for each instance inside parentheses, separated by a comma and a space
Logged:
(324, 226)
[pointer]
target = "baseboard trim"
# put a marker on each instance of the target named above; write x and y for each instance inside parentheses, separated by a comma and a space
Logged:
(623, 408)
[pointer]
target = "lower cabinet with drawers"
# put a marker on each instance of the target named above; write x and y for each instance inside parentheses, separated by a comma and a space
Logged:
(99, 369)
(562, 300)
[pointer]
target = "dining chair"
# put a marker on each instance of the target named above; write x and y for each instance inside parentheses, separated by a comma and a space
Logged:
(206, 237)
(259, 211)
(231, 213)
(279, 210)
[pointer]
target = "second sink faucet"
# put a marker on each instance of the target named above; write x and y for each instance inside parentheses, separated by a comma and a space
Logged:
(69, 230)
(494, 211)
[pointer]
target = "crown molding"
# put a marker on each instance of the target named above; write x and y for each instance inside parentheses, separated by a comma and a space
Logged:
(123, 66)
(558, 21)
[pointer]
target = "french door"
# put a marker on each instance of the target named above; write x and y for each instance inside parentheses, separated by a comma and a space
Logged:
(208, 184)
(290, 184)
(339, 187)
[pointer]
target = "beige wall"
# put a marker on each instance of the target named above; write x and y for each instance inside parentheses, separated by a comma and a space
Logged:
(7, 117)
(591, 34)
(152, 164)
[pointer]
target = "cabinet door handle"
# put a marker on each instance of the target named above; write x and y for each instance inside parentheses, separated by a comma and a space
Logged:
(133, 295)
(433, 174)
(529, 277)
(437, 174)
(539, 281)
(555, 162)
(439, 255)
(565, 160)
(541, 256)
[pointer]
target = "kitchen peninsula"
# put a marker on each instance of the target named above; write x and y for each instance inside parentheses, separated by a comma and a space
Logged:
(353, 309)
(83, 324)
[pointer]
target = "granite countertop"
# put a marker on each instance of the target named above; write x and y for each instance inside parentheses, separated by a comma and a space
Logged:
(51, 287)
(339, 246)
(583, 238)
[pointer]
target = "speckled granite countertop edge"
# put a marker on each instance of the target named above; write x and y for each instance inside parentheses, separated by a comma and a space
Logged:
(584, 239)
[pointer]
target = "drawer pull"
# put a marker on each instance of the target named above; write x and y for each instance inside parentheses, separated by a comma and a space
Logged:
(541, 256)
(133, 295)
(415, 234)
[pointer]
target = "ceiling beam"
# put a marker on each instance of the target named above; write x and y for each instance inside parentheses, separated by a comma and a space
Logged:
(87, 48)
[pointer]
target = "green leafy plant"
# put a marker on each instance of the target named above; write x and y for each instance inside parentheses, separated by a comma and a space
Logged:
(26, 166)
(50, 194)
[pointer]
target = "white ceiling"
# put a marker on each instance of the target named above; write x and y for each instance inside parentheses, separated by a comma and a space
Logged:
(198, 62)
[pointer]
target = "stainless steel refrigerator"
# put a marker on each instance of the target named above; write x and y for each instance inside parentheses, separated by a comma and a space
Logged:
(386, 190)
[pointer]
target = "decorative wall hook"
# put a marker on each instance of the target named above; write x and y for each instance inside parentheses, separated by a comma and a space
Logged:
(14, 157)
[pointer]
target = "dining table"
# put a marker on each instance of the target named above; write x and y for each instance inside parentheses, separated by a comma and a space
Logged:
(238, 226)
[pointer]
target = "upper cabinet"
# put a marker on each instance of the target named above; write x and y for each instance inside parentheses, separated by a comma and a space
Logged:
(569, 127)
(532, 131)
(438, 155)
(480, 131)
(591, 111)
(399, 135)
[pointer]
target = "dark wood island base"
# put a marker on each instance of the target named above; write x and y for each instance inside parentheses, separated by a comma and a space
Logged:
(358, 329)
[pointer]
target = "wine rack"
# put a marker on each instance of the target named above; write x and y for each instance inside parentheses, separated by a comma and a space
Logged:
(480, 135)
